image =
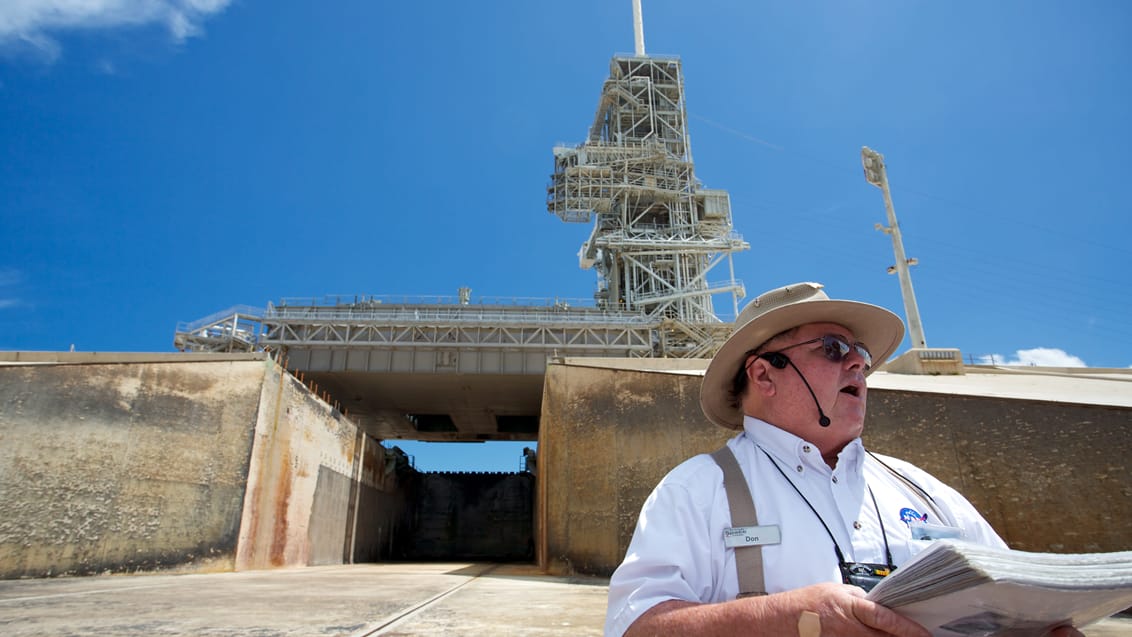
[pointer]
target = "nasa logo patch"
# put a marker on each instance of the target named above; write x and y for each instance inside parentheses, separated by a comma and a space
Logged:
(911, 515)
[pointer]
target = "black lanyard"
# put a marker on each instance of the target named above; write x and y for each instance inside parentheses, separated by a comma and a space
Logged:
(845, 567)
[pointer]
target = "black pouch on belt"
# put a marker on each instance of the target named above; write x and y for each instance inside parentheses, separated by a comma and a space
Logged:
(863, 575)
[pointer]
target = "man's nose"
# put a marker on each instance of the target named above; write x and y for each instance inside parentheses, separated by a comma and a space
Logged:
(855, 359)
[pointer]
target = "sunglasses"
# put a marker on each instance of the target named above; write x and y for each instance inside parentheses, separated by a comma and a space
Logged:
(837, 348)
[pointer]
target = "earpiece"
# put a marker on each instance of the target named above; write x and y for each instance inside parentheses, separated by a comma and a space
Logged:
(780, 361)
(776, 360)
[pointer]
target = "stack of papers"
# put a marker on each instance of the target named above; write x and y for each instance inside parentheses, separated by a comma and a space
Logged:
(955, 588)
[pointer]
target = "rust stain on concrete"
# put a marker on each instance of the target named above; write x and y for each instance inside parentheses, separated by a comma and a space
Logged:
(283, 499)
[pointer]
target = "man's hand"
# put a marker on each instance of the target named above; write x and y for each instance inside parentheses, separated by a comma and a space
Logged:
(842, 610)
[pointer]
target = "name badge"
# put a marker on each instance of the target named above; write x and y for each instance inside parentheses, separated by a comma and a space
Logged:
(736, 536)
(924, 531)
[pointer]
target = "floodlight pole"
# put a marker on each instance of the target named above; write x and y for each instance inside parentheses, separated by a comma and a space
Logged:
(876, 175)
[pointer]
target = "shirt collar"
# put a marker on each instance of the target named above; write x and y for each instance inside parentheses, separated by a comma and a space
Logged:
(786, 446)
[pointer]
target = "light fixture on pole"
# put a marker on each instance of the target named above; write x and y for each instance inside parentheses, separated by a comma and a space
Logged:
(875, 174)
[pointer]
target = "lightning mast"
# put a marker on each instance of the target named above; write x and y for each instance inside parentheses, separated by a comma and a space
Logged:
(638, 30)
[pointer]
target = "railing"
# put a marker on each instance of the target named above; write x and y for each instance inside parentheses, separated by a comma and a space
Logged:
(655, 296)
(422, 314)
(372, 300)
(652, 56)
(223, 315)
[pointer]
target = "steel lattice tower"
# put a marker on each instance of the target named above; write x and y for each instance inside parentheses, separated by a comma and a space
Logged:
(657, 233)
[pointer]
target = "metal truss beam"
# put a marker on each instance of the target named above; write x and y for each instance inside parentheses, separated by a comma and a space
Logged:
(552, 330)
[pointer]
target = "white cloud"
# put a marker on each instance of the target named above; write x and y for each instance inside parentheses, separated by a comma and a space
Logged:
(28, 24)
(1039, 356)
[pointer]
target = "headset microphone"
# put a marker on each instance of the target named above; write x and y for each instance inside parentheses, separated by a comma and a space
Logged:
(780, 361)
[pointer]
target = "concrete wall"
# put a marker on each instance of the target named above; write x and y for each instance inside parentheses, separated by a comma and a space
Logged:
(122, 467)
(381, 504)
(606, 438)
(313, 496)
(1048, 476)
(136, 462)
(214, 462)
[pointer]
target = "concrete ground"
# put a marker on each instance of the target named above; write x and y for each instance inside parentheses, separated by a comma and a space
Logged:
(355, 601)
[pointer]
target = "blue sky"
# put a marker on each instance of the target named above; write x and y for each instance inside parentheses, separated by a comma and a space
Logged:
(161, 160)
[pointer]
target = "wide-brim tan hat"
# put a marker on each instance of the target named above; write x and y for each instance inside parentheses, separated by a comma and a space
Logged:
(775, 312)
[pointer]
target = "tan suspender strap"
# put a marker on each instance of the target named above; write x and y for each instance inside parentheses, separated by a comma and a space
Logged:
(748, 559)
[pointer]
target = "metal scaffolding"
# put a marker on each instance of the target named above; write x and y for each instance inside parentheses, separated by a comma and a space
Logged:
(557, 329)
(657, 232)
(236, 329)
(554, 328)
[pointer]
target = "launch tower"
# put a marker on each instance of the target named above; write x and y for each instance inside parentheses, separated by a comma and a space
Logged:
(657, 232)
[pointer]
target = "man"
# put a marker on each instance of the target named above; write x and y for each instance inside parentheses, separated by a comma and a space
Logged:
(791, 379)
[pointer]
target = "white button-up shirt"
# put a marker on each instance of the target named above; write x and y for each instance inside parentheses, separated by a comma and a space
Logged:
(677, 550)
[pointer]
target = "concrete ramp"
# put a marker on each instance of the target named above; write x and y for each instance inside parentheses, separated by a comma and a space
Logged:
(364, 600)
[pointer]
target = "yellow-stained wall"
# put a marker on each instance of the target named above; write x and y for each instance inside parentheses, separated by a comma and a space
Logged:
(302, 448)
(306, 484)
(1049, 476)
(192, 462)
(606, 437)
(199, 462)
(121, 467)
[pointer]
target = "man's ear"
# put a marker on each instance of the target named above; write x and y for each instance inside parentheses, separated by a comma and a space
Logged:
(759, 377)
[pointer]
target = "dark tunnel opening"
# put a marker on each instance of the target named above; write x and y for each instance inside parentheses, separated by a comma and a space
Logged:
(450, 514)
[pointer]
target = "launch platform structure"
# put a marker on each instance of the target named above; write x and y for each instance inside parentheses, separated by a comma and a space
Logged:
(657, 235)
(657, 232)
(472, 369)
